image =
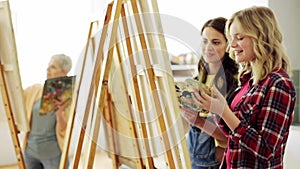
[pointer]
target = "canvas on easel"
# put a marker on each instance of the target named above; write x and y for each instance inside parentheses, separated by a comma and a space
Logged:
(10, 66)
(130, 97)
(10, 82)
(59, 89)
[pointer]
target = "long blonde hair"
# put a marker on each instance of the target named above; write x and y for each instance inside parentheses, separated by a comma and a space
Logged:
(261, 25)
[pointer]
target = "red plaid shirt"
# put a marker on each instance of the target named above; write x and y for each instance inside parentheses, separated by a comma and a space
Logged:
(266, 113)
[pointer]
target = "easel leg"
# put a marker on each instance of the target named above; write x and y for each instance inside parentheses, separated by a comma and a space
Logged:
(11, 121)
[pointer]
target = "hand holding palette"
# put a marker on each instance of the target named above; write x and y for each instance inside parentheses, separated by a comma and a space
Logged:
(185, 90)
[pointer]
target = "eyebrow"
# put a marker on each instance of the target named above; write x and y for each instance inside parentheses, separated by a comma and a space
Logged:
(236, 34)
(213, 39)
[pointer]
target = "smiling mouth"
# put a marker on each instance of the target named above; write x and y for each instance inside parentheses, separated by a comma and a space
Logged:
(210, 54)
(237, 52)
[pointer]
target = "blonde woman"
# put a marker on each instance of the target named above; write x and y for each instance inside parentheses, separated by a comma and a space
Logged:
(258, 118)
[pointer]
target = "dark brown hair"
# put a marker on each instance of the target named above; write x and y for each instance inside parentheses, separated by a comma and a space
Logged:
(226, 78)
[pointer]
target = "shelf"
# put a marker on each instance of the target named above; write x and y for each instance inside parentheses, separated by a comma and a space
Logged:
(181, 79)
(183, 67)
(182, 72)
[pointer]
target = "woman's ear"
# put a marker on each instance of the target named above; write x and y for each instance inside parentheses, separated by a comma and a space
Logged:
(65, 73)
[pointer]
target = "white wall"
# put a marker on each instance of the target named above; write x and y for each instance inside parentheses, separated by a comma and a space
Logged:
(291, 158)
(288, 13)
(197, 12)
(43, 28)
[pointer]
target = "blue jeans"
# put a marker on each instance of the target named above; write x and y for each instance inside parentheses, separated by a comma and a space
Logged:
(32, 162)
(202, 149)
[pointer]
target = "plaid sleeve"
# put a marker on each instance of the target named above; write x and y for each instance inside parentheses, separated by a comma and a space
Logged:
(222, 125)
(268, 120)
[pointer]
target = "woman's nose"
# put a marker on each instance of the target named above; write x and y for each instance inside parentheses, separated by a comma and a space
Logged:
(233, 43)
(209, 46)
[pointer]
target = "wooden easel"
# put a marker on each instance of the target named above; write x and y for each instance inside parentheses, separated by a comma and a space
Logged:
(70, 125)
(101, 104)
(98, 61)
(9, 73)
(94, 89)
(11, 121)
